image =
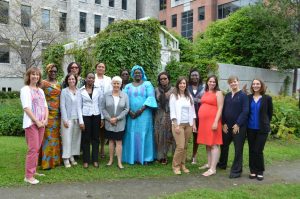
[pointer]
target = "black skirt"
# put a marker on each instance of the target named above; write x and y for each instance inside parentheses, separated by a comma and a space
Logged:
(111, 135)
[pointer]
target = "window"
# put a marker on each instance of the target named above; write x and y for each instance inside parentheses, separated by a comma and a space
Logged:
(201, 13)
(9, 89)
(45, 19)
(82, 22)
(62, 22)
(25, 51)
(97, 24)
(187, 24)
(162, 4)
(163, 23)
(4, 6)
(110, 20)
(174, 20)
(124, 4)
(97, 1)
(4, 51)
(3, 89)
(111, 3)
(225, 9)
(26, 15)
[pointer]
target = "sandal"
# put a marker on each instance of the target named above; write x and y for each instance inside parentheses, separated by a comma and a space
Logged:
(177, 172)
(209, 172)
(204, 167)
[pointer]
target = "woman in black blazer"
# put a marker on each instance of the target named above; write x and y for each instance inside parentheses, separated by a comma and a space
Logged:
(260, 116)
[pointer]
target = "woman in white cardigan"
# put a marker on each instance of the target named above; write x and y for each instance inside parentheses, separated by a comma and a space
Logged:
(183, 117)
(70, 131)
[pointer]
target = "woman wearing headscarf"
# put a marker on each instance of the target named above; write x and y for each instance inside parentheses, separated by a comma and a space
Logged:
(138, 143)
(162, 125)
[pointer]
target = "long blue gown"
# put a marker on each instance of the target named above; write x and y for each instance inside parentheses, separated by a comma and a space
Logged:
(138, 142)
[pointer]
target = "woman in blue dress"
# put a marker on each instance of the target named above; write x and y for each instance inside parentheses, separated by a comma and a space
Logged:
(138, 142)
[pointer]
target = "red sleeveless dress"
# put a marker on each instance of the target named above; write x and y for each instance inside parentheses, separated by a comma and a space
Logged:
(207, 113)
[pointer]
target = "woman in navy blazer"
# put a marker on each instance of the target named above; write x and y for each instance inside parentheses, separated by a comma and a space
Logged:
(260, 116)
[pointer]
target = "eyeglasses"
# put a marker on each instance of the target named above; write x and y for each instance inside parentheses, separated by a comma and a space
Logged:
(52, 71)
(163, 78)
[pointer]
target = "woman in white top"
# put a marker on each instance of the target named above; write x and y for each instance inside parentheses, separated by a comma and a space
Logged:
(183, 117)
(34, 121)
(70, 131)
(104, 83)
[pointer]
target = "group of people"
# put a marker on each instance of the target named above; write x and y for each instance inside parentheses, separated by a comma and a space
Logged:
(140, 122)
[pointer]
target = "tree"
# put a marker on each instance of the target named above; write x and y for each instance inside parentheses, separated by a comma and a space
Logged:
(253, 36)
(26, 31)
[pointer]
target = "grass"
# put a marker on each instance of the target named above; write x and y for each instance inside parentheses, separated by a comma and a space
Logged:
(13, 150)
(275, 191)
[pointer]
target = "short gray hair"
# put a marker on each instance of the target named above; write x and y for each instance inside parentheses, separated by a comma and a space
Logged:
(116, 78)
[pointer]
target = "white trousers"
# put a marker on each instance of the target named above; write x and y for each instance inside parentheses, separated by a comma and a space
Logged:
(71, 138)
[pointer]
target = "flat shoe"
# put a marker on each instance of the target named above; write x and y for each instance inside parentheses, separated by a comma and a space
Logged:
(121, 167)
(209, 172)
(259, 177)
(109, 165)
(204, 167)
(33, 182)
(85, 165)
(96, 165)
(185, 170)
(194, 161)
(177, 172)
(39, 174)
(252, 176)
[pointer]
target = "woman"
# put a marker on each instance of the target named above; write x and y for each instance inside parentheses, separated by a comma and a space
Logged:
(75, 69)
(70, 131)
(34, 120)
(138, 143)
(104, 83)
(260, 116)
(234, 119)
(182, 113)
(210, 126)
(162, 124)
(51, 146)
(125, 78)
(90, 120)
(115, 107)
(196, 89)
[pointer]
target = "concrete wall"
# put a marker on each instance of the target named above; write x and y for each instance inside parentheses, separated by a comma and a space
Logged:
(147, 8)
(273, 79)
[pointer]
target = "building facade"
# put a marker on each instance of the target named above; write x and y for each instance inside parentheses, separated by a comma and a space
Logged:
(62, 20)
(189, 17)
(147, 8)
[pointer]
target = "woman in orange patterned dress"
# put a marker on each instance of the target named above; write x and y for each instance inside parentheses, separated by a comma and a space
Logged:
(51, 146)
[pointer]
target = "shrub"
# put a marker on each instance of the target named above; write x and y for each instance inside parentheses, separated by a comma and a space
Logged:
(11, 115)
(9, 95)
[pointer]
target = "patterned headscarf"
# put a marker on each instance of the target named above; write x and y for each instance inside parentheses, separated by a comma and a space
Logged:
(137, 67)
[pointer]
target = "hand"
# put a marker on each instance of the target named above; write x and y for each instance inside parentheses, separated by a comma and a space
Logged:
(177, 130)
(66, 124)
(235, 129)
(225, 128)
(113, 121)
(82, 127)
(214, 126)
(39, 124)
(195, 129)
(138, 113)
(45, 122)
(132, 114)
(101, 123)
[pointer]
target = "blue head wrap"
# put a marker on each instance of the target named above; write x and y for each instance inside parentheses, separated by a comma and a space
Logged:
(137, 67)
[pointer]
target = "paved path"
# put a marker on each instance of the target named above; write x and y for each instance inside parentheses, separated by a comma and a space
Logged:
(283, 172)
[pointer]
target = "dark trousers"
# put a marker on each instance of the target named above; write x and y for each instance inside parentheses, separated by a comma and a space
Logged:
(91, 135)
(256, 142)
(238, 141)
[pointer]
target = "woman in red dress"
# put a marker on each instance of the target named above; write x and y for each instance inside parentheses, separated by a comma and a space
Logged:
(210, 127)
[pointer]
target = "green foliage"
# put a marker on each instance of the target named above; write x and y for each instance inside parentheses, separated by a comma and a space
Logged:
(87, 61)
(124, 44)
(252, 36)
(286, 118)
(54, 54)
(204, 66)
(11, 114)
(9, 95)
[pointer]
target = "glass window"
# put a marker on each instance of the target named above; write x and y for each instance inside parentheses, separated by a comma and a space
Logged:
(4, 6)
(97, 1)
(187, 24)
(174, 20)
(111, 3)
(124, 4)
(26, 15)
(162, 4)
(163, 23)
(62, 22)
(201, 13)
(25, 54)
(82, 22)
(4, 54)
(45, 19)
(110, 20)
(225, 9)
(97, 25)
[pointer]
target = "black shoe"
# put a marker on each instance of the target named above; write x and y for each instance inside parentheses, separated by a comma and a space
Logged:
(234, 175)
(221, 167)
(252, 176)
(259, 177)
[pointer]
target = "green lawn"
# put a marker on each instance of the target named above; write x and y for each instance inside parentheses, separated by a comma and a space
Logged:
(275, 191)
(13, 150)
